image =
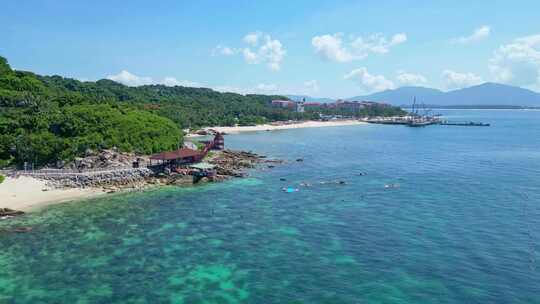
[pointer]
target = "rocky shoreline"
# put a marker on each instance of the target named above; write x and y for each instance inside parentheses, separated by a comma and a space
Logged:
(113, 178)
(6, 213)
(228, 164)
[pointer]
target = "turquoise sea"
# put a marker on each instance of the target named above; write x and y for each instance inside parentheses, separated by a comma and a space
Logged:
(459, 224)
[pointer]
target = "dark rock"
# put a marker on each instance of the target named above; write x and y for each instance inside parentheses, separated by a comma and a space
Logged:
(180, 180)
(274, 161)
(22, 229)
(9, 212)
(233, 163)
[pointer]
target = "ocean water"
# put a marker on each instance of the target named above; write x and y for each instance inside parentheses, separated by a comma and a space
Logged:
(458, 222)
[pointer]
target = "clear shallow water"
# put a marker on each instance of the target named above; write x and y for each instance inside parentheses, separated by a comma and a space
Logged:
(462, 227)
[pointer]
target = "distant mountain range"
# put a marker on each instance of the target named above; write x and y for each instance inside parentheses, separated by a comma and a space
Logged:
(484, 95)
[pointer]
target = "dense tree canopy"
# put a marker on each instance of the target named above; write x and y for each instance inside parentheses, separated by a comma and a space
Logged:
(42, 122)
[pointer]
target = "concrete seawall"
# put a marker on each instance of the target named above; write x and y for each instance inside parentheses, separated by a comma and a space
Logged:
(98, 179)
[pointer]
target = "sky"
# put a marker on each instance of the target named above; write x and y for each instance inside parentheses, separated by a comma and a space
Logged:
(331, 49)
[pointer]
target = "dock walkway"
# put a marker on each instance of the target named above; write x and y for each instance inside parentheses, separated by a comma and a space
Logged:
(465, 123)
(423, 122)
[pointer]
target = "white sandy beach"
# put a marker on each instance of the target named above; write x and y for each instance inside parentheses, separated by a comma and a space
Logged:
(26, 194)
(297, 125)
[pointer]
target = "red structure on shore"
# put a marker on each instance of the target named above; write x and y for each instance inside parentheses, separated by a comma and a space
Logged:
(180, 156)
(187, 156)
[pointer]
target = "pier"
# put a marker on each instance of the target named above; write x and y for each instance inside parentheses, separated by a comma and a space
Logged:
(423, 122)
(416, 119)
(465, 123)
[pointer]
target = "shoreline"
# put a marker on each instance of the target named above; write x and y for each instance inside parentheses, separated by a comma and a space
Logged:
(282, 126)
(29, 194)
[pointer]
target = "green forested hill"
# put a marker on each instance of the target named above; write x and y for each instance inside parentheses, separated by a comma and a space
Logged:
(48, 118)
(188, 107)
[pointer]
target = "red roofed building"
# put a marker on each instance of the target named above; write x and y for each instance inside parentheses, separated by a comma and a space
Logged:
(188, 156)
(178, 157)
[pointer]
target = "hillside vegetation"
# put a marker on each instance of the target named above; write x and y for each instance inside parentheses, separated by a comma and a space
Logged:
(44, 119)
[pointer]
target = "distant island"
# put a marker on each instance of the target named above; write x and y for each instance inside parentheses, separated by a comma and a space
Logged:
(483, 96)
(487, 95)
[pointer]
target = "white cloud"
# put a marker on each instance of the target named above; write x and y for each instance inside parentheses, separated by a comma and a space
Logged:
(250, 57)
(306, 88)
(311, 86)
(261, 48)
(377, 43)
(171, 82)
(369, 82)
(223, 50)
(517, 63)
(129, 79)
(132, 80)
(252, 38)
(272, 52)
(410, 79)
(478, 34)
(398, 38)
(261, 88)
(269, 88)
(330, 47)
(333, 48)
(125, 77)
(455, 80)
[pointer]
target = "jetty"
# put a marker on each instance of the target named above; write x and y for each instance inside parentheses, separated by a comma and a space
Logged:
(423, 122)
(415, 119)
(464, 123)
(410, 120)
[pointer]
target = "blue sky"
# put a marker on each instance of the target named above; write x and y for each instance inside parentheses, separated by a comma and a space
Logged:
(321, 48)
